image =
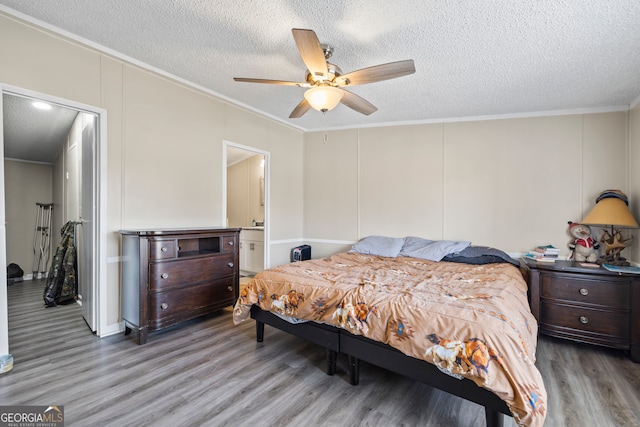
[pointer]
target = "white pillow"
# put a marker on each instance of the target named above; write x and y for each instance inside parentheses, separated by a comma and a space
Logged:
(379, 245)
(432, 250)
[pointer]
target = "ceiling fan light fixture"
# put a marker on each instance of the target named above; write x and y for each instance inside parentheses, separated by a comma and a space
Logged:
(324, 98)
(325, 79)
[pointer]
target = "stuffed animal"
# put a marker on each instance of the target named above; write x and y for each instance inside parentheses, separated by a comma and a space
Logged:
(583, 246)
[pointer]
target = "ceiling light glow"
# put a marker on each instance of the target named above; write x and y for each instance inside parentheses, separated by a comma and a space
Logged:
(324, 98)
(41, 105)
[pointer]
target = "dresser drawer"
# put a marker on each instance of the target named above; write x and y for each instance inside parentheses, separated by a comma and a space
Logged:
(164, 306)
(611, 323)
(613, 294)
(229, 243)
(162, 249)
(169, 274)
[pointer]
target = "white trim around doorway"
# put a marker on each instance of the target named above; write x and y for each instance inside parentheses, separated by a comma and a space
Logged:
(267, 191)
(100, 262)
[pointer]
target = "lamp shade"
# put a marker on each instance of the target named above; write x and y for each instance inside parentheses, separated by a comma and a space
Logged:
(324, 98)
(611, 211)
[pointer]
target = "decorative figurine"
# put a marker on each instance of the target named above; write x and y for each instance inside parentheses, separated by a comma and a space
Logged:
(583, 246)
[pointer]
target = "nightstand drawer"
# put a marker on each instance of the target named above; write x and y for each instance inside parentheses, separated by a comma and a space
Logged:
(610, 323)
(611, 294)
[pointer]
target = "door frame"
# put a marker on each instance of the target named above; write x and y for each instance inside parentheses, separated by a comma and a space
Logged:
(267, 191)
(100, 209)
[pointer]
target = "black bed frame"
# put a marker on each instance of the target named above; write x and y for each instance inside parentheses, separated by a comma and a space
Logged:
(336, 340)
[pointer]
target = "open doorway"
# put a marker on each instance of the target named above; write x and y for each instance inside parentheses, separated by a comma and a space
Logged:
(75, 181)
(246, 204)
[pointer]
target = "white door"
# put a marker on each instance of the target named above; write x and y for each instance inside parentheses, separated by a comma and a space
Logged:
(86, 231)
(80, 204)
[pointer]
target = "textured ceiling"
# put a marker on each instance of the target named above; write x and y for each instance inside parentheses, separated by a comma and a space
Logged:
(472, 58)
(33, 134)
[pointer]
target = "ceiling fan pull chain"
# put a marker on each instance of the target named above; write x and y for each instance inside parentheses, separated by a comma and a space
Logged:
(326, 137)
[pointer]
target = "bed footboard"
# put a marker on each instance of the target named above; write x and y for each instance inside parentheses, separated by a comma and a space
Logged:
(361, 348)
(319, 334)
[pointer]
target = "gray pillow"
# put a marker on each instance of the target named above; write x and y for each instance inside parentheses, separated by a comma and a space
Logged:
(432, 250)
(481, 255)
(379, 245)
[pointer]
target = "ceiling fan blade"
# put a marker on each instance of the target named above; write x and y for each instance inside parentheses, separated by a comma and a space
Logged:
(377, 73)
(300, 109)
(311, 52)
(357, 103)
(271, 82)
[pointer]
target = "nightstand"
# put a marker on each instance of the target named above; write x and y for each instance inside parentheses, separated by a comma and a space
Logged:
(586, 304)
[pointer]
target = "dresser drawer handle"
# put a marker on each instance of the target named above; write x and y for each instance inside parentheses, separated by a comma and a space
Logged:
(164, 306)
(584, 291)
(584, 320)
(230, 243)
(164, 249)
(230, 265)
(230, 288)
(164, 275)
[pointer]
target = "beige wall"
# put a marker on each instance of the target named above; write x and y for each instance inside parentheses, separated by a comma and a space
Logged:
(511, 183)
(243, 192)
(255, 185)
(25, 185)
(331, 186)
(237, 194)
(164, 142)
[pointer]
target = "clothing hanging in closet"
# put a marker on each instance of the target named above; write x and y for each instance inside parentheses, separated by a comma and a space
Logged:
(62, 284)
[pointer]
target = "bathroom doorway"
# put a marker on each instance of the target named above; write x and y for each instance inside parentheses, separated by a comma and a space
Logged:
(247, 203)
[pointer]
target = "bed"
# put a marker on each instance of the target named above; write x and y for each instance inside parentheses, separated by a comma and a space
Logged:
(448, 314)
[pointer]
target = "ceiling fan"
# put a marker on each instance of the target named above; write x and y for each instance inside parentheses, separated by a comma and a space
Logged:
(326, 81)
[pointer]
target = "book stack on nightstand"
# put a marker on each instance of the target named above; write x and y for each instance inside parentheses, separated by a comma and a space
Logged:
(547, 253)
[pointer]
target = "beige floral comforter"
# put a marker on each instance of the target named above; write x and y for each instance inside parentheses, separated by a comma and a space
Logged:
(471, 321)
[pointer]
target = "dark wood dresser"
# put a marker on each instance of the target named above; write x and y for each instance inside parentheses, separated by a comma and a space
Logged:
(586, 304)
(169, 276)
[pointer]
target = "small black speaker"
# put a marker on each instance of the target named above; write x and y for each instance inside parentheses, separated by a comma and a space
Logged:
(301, 253)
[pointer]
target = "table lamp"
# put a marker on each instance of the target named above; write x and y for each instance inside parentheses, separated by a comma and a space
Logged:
(612, 213)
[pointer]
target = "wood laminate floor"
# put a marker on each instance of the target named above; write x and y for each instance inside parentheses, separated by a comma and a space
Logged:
(208, 372)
